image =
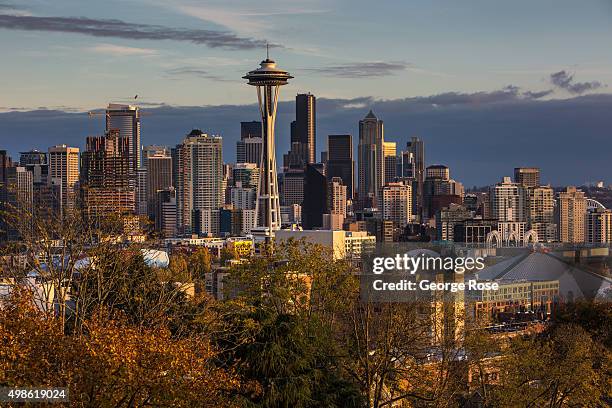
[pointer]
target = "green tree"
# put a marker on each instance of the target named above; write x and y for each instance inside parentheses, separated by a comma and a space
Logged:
(276, 337)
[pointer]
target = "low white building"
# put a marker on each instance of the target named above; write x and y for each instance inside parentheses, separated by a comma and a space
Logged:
(345, 244)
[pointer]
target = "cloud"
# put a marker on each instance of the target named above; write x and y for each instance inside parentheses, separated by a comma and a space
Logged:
(565, 80)
(194, 72)
(243, 18)
(361, 70)
(510, 93)
(131, 31)
(537, 95)
(113, 49)
(9, 6)
(13, 9)
(460, 134)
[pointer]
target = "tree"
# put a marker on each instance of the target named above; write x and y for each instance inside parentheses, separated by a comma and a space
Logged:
(200, 263)
(119, 280)
(227, 254)
(592, 316)
(52, 247)
(562, 368)
(111, 363)
(178, 267)
(273, 336)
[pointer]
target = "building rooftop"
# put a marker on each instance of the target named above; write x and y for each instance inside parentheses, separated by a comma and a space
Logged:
(371, 115)
(573, 281)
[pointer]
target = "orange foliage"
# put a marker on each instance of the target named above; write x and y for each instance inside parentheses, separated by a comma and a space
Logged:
(111, 363)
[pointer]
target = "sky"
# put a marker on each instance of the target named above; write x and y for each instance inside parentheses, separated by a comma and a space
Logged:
(481, 57)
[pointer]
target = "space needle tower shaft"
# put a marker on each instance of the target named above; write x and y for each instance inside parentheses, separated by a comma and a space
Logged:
(268, 79)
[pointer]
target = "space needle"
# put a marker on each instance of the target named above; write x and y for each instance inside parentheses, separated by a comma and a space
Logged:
(268, 79)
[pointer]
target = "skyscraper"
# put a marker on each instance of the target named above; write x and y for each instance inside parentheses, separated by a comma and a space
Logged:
(527, 176)
(242, 198)
(248, 148)
(572, 216)
(405, 165)
(599, 226)
(5, 163)
(247, 174)
(165, 212)
(371, 160)
(153, 150)
(437, 171)
(315, 196)
(416, 148)
(159, 177)
(340, 161)
(105, 175)
(141, 191)
(126, 118)
(20, 187)
(36, 162)
(541, 212)
(447, 218)
(397, 203)
(296, 156)
(390, 153)
(64, 176)
(337, 197)
(509, 201)
(32, 157)
(509, 207)
(305, 126)
(268, 79)
(250, 130)
(200, 172)
(293, 186)
(439, 190)
(19, 195)
(336, 204)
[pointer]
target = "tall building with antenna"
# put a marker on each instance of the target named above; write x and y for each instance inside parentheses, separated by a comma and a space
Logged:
(126, 119)
(268, 79)
(371, 163)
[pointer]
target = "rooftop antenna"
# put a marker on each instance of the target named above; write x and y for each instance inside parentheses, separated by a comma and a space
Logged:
(267, 50)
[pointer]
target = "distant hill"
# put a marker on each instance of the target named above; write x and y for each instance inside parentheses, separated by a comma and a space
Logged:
(481, 136)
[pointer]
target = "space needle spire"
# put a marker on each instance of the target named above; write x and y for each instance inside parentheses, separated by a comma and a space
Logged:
(268, 79)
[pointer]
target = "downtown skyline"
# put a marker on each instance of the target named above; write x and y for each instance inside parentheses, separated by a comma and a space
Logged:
(306, 203)
(467, 113)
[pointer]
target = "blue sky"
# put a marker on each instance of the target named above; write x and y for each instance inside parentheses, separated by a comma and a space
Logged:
(334, 48)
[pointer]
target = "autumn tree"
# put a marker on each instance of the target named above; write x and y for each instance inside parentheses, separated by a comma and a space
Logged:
(120, 280)
(200, 263)
(52, 247)
(179, 267)
(227, 253)
(111, 363)
(564, 367)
